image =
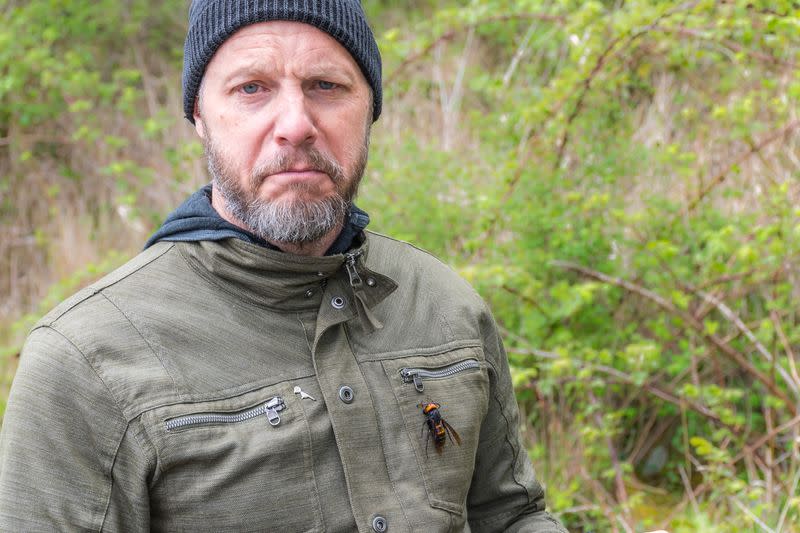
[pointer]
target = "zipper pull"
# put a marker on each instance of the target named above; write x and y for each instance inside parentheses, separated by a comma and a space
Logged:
(418, 383)
(370, 321)
(410, 376)
(273, 406)
(350, 265)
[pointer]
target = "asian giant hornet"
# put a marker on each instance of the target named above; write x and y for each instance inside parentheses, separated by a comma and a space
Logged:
(438, 429)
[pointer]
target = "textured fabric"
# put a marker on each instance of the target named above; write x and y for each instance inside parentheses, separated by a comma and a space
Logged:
(132, 409)
(196, 220)
(211, 22)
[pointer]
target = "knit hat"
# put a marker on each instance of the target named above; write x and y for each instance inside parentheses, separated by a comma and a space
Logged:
(211, 22)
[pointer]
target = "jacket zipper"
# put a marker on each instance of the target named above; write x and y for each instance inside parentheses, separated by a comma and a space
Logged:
(350, 265)
(416, 375)
(270, 408)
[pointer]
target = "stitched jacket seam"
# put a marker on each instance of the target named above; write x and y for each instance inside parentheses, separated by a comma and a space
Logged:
(139, 439)
(111, 483)
(438, 349)
(99, 289)
(147, 342)
(514, 451)
(430, 255)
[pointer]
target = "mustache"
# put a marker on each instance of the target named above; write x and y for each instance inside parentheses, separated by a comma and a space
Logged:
(308, 157)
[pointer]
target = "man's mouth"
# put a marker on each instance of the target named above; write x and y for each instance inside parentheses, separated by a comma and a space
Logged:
(300, 172)
(296, 176)
(302, 169)
(297, 168)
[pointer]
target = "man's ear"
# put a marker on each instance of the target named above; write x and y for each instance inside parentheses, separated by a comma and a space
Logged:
(199, 127)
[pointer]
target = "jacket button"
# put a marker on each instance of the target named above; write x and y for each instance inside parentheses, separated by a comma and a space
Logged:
(371, 282)
(309, 293)
(337, 302)
(379, 524)
(346, 394)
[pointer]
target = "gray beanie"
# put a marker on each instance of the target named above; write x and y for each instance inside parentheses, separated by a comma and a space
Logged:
(211, 22)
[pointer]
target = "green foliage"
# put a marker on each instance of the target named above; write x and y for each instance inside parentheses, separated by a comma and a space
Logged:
(64, 56)
(606, 200)
(618, 179)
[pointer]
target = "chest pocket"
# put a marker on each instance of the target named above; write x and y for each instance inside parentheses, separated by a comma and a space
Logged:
(241, 463)
(443, 400)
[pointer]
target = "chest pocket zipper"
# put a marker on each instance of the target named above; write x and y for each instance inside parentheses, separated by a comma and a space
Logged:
(416, 375)
(270, 409)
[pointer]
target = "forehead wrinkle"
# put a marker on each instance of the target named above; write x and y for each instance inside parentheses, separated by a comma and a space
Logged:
(273, 58)
(291, 43)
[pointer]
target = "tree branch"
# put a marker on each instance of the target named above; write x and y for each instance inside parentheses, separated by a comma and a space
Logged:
(450, 34)
(720, 176)
(721, 345)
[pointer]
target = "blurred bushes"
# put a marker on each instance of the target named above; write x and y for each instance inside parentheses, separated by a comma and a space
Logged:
(619, 181)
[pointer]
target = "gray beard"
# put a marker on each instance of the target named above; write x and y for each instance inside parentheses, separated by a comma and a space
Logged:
(296, 222)
(299, 221)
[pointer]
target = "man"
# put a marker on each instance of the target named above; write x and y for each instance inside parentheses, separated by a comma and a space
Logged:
(266, 364)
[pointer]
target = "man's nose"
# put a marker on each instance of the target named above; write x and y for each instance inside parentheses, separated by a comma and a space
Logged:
(294, 124)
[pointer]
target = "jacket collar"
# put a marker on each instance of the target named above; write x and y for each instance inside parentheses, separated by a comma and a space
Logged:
(288, 282)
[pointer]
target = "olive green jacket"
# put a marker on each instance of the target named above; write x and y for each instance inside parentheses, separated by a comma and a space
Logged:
(164, 397)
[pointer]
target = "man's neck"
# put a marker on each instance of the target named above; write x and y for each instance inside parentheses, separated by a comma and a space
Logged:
(311, 249)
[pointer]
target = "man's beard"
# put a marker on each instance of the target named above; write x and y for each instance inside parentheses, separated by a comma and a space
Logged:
(302, 220)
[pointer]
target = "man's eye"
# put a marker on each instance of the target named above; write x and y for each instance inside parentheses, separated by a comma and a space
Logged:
(327, 85)
(250, 88)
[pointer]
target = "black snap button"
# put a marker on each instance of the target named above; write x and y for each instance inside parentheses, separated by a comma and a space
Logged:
(379, 524)
(309, 293)
(321, 274)
(371, 282)
(337, 302)
(346, 394)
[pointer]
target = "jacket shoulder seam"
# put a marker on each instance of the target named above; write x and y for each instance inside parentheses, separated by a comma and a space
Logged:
(410, 245)
(88, 362)
(149, 345)
(432, 256)
(95, 289)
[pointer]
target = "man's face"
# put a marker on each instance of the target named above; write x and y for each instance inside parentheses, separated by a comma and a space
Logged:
(284, 113)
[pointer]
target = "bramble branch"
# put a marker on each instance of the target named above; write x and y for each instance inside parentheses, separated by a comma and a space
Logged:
(720, 176)
(720, 344)
(452, 33)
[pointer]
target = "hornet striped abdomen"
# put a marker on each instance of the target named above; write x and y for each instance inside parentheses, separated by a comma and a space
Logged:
(438, 428)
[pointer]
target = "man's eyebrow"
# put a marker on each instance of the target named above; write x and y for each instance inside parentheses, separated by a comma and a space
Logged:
(322, 70)
(315, 70)
(247, 69)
